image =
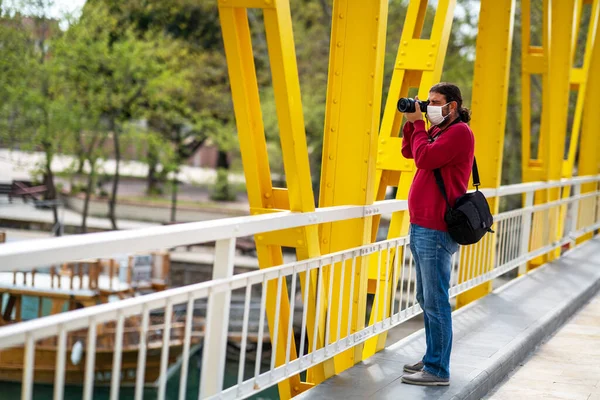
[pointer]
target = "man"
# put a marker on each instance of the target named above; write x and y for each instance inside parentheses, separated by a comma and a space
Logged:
(448, 146)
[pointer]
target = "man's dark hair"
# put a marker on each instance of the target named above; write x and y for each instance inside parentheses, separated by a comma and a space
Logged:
(452, 93)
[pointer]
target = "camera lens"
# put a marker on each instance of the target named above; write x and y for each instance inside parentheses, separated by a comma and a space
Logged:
(406, 105)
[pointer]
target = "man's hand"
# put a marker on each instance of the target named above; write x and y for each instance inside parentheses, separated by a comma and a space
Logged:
(415, 116)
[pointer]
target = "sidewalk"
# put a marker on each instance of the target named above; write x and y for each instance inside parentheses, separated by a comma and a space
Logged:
(565, 367)
(27, 212)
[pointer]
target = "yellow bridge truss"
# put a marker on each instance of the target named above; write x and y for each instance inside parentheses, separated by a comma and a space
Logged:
(361, 153)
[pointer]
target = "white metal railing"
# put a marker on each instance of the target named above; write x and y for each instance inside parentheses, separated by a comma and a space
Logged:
(509, 248)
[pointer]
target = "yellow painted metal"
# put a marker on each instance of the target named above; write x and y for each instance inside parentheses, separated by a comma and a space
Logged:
(561, 48)
(349, 147)
(589, 149)
(490, 87)
(557, 46)
(579, 77)
(261, 194)
(419, 64)
(535, 61)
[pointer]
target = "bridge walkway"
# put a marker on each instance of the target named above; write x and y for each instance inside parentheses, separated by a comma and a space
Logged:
(495, 335)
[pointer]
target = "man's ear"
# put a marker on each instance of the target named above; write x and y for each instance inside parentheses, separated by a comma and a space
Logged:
(455, 103)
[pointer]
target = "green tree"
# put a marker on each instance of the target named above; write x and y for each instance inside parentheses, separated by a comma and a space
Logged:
(38, 113)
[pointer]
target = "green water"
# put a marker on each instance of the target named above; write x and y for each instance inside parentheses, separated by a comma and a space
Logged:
(45, 392)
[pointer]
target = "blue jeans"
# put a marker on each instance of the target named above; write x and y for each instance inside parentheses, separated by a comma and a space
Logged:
(432, 251)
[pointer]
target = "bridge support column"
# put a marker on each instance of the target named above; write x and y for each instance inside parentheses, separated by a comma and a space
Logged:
(554, 61)
(490, 98)
(263, 197)
(349, 150)
(589, 149)
(419, 65)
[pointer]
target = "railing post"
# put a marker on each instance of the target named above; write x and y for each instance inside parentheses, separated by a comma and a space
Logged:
(217, 321)
(526, 230)
(574, 213)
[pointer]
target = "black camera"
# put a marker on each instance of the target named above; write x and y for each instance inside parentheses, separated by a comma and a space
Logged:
(407, 105)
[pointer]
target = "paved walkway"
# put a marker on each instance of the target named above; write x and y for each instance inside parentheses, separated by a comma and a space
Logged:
(27, 212)
(565, 367)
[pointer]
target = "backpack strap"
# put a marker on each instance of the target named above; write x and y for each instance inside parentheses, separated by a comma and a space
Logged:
(440, 181)
(476, 181)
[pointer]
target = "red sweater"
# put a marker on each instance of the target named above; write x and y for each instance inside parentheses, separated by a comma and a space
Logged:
(453, 153)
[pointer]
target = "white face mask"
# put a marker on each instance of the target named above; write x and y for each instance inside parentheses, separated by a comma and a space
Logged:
(434, 114)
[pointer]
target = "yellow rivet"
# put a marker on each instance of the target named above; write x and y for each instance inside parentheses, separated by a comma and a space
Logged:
(383, 141)
(376, 18)
(268, 195)
(428, 64)
(374, 46)
(405, 43)
(341, 15)
(269, 206)
(430, 54)
(329, 185)
(334, 101)
(325, 241)
(432, 44)
(366, 161)
(337, 73)
(400, 63)
(296, 388)
(331, 156)
(370, 103)
(372, 74)
(333, 129)
(402, 53)
(339, 44)
(368, 132)
(300, 242)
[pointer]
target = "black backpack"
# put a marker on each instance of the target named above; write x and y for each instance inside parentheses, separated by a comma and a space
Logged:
(470, 219)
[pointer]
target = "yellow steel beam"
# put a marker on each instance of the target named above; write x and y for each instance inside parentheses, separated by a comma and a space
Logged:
(579, 82)
(557, 46)
(534, 62)
(579, 78)
(589, 149)
(349, 148)
(261, 194)
(561, 48)
(490, 85)
(419, 64)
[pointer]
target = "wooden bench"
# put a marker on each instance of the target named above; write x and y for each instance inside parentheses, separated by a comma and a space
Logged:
(25, 189)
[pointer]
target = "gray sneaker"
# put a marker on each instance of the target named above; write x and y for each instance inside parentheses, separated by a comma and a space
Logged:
(424, 378)
(413, 368)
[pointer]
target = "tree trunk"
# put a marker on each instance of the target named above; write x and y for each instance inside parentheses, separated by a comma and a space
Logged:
(152, 180)
(49, 182)
(222, 191)
(174, 188)
(88, 193)
(113, 197)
